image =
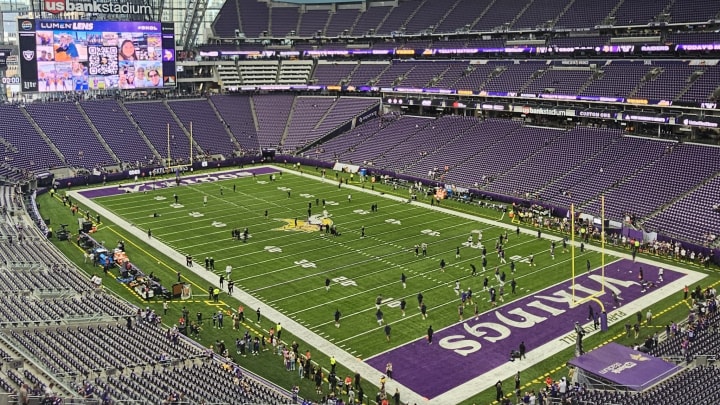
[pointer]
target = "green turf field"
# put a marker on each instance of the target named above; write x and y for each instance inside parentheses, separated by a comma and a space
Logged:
(286, 266)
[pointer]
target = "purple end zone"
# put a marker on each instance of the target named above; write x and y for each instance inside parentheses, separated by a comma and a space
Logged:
(150, 185)
(472, 348)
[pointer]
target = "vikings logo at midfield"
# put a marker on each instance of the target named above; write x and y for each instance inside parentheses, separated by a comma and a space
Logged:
(311, 224)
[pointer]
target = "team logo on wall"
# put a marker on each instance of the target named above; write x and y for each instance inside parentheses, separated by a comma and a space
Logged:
(28, 55)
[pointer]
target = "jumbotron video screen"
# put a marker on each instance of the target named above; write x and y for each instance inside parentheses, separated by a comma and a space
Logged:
(96, 55)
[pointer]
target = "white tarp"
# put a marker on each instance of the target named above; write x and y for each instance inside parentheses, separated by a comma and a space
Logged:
(349, 168)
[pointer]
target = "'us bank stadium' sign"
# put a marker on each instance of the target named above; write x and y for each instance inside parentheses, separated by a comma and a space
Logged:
(97, 7)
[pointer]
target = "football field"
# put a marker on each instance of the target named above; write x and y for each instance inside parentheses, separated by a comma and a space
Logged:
(367, 243)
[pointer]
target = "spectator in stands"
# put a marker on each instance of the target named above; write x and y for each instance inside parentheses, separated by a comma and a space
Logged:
(49, 393)
(23, 395)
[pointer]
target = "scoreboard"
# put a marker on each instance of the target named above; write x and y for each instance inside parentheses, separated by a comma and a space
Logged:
(74, 55)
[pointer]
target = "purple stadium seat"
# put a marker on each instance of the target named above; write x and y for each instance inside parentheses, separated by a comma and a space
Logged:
(65, 126)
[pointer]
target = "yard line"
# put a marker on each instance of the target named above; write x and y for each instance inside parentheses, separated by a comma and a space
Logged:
(401, 266)
(452, 302)
(288, 235)
(291, 214)
(329, 258)
(320, 248)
